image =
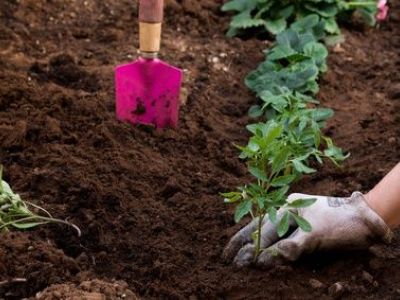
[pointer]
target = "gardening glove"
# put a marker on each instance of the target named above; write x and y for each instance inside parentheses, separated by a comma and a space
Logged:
(337, 223)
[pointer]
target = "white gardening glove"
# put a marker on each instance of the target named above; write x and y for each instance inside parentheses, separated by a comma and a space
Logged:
(337, 223)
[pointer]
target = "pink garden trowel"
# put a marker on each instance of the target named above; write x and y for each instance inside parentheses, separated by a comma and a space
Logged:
(147, 90)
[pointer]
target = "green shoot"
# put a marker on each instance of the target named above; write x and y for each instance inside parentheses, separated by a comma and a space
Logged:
(14, 212)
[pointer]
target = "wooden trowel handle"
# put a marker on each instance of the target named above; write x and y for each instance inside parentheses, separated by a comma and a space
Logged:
(151, 14)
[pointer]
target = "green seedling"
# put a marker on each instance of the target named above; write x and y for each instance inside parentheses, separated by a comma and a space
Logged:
(16, 213)
(273, 161)
(279, 153)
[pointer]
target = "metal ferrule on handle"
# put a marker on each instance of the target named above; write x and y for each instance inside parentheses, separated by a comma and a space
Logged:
(151, 14)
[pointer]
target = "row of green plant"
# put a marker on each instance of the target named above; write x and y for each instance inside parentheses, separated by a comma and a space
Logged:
(289, 142)
(284, 147)
(16, 213)
(275, 16)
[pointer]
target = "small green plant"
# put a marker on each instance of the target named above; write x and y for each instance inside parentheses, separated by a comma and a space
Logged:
(275, 16)
(279, 152)
(14, 212)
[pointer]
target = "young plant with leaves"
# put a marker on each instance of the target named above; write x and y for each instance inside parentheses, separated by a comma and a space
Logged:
(16, 213)
(274, 16)
(279, 153)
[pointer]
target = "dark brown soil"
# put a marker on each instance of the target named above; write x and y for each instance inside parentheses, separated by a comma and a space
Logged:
(147, 201)
(88, 290)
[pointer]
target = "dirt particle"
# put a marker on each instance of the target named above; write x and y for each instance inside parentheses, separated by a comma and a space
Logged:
(316, 284)
(53, 127)
(184, 96)
(394, 91)
(376, 263)
(367, 277)
(337, 289)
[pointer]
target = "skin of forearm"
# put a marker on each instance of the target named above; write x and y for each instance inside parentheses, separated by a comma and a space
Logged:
(384, 198)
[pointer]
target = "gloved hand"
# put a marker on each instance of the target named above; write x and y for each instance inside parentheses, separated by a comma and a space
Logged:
(337, 223)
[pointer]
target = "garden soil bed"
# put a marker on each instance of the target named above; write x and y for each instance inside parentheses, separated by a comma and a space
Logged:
(147, 201)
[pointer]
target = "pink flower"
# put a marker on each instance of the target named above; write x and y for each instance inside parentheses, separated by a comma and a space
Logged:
(383, 10)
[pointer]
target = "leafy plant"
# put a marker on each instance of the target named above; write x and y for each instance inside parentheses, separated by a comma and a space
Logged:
(278, 153)
(295, 61)
(275, 16)
(275, 165)
(281, 149)
(16, 213)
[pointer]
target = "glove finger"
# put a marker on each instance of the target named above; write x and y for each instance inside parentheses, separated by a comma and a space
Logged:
(269, 236)
(240, 239)
(245, 256)
(269, 231)
(289, 249)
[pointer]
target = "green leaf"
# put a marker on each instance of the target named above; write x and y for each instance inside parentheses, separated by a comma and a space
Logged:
(323, 9)
(302, 202)
(275, 26)
(322, 114)
(279, 102)
(279, 195)
(283, 180)
(336, 154)
(331, 26)
(242, 209)
(302, 168)
(254, 128)
(306, 24)
(27, 225)
(272, 214)
(231, 197)
(275, 130)
(246, 152)
(288, 38)
(280, 160)
(239, 5)
(1, 179)
(286, 12)
(303, 223)
(253, 145)
(244, 20)
(316, 50)
(255, 111)
(283, 226)
(261, 202)
(281, 51)
(258, 173)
